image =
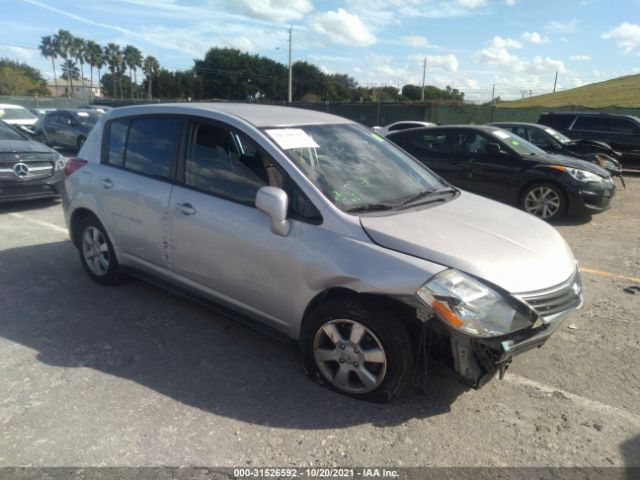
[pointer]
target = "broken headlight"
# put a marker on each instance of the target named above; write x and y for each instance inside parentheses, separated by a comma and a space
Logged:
(471, 307)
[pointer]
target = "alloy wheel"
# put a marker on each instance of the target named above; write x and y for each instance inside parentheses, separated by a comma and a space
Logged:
(350, 356)
(95, 251)
(543, 202)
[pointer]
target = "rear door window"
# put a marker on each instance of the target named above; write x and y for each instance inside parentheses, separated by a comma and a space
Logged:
(152, 146)
(591, 123)
(117, 141)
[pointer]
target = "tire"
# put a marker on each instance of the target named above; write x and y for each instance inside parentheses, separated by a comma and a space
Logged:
(97, 254)
(544, 200)
(376, 368)
(80, 141)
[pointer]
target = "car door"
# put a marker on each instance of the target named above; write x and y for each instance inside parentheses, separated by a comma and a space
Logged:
(133, 187)
(51, 127)
(488, 174)
(590, 127)
(432, 148)
(624, 136)
(221, 243)
(65, 130)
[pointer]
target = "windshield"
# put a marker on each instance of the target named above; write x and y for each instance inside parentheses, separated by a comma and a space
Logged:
(88, 119)
(16, 114)
(8, 133)
(557, 135)
(354, 167)
(519, 144)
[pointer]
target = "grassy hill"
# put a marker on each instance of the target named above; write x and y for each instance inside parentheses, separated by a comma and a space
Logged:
(621, 92)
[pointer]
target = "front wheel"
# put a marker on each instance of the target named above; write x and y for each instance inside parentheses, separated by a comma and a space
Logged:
(358, 349)
(544, 200)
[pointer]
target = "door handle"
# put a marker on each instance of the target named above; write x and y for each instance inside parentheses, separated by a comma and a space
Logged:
(106, 183)
(186, 208)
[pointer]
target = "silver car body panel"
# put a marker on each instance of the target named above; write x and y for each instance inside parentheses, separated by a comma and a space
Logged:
(227, 252)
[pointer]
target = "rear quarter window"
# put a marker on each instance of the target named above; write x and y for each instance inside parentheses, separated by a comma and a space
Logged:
(117, 141)
(591, 123)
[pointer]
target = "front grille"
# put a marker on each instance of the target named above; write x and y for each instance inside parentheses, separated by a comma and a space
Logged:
(558, 299)
(36, 170)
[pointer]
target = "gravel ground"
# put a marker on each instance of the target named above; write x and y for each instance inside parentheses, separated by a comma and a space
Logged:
(133, 376)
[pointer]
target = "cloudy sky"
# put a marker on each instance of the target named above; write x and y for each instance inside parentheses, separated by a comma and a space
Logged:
(518, 45)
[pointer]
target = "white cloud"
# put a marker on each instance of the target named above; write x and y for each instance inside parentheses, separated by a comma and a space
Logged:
(448, 63)
(416, 41)
(534, 37)
(562, 27)
(509, 3)
(342, 27)
(242, 43)
(499, 42)
(544, 65)
(278, 11)
(17, 52)
(471, 3)
(626, 35)
(580, 58)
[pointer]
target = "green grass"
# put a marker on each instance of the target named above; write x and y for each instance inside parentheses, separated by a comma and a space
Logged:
(620, 92)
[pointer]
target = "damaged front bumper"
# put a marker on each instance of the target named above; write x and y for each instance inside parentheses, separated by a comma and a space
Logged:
(477, 360)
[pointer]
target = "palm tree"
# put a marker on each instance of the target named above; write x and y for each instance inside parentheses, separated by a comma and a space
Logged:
(113, 57)
(102, 61)
(79, 52)
(63, 41)
(49, 49)
(70, 71)
(150, 66)
(133, 60)
(137, 63)
(94, 59)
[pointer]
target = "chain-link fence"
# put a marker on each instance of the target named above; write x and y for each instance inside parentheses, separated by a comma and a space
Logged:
(369, 114)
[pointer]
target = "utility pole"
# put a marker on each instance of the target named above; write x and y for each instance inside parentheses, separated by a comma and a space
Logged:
(555, 82)
(424, 73)
(290, 92)
(493, 105)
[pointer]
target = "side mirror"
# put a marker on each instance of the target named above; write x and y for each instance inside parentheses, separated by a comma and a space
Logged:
(274, 202)
(493, 148)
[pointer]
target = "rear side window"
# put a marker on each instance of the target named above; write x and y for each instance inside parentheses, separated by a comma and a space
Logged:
(152, 145)
(559, 122)
(622, 125)
(117, 141)
(590, 123)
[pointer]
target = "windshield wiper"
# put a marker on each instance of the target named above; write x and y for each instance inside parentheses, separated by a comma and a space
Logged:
(428, 193)
(371, 207)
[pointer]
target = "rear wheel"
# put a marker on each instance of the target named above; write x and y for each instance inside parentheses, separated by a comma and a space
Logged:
(97, 254)
(544, 200)
(357, 348)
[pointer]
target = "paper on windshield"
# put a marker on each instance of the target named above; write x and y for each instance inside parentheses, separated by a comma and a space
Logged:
(289, 138)
(502, 135)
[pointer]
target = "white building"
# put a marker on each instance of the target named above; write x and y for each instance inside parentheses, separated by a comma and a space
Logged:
(82, 89)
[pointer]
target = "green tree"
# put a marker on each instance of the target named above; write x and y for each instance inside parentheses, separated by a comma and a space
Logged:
(150, 67)
(19, 79)
(113, 57)
(64, 43)
(94, 59)
(70, 71)
(49, 49)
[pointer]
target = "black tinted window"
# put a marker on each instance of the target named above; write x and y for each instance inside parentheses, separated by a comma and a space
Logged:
(225, 163)
(468, 142)
(590, 123)
(8, 133)
(560, 122)
(152, 145)
(117, 140)
(622, 125)
(430, 141)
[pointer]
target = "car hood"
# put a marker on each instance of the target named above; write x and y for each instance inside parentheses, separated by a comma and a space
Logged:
(570, 162)
(497, 243)
(24, 146)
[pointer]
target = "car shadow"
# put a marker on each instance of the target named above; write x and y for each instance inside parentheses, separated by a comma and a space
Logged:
(182, 350)
(572, 220)
(631, 456)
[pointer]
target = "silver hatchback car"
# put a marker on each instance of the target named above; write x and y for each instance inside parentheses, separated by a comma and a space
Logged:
(321, 229)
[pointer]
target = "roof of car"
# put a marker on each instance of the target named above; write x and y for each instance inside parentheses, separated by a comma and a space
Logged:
(257, 115)
(522, 124)
(9, 105)
(485, 128)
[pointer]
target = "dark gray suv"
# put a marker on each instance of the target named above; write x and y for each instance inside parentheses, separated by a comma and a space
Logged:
(622, 132)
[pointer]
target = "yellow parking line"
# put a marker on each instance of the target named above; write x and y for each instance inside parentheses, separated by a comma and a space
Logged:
(609, 274)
